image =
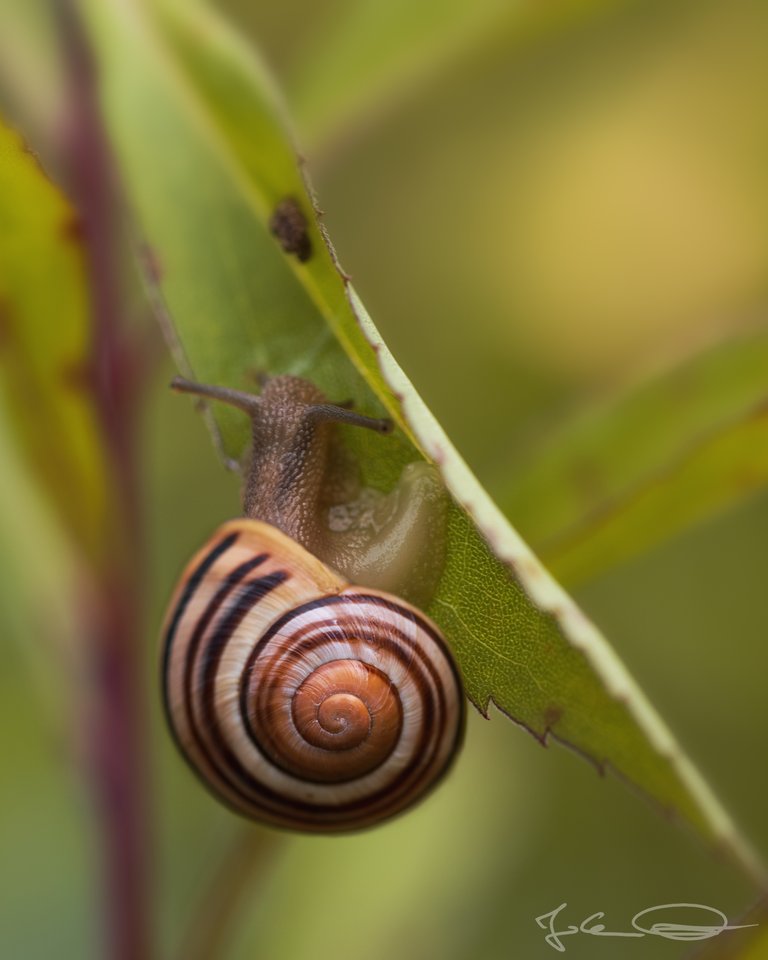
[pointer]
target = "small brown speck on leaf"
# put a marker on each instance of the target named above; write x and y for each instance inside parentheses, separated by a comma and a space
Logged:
(6, 326)
(26, 148)
(73, 229)
(552, 714)
(438, 455)
(78, 376)
(289, 225)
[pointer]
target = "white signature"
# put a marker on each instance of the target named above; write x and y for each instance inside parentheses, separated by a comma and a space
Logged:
(643, 927)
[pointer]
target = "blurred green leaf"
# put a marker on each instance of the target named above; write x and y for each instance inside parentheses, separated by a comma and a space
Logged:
(45, 340)
(374, 53)
(206, 160)
(640, 469)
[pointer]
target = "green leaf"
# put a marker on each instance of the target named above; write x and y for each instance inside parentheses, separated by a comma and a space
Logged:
(374, 54)
(45, 343)
(206, 159)
(637, 471)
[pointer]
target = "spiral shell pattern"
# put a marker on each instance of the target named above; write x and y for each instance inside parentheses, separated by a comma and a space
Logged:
(300, 700)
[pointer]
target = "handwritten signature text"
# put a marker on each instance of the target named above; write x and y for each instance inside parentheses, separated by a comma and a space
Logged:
(646, 923)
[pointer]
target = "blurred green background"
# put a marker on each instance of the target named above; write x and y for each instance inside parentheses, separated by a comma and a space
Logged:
(537, 218)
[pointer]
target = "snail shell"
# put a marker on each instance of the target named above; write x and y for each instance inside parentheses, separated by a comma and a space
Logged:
(300, 700)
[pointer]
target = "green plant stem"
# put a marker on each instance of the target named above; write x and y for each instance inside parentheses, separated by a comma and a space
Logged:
(244, 867)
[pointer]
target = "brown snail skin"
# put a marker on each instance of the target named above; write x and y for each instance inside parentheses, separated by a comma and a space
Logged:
(300, 699)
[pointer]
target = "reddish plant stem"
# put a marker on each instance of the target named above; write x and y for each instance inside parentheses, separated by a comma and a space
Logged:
(118, 749)
(118, 763)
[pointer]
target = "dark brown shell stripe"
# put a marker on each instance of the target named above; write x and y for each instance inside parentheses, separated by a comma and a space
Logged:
(189, 587)
(239, 649)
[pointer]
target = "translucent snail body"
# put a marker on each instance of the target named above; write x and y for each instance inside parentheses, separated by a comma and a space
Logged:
(302, 700)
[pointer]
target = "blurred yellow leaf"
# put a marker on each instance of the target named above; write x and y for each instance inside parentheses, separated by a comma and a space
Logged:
(45, 342)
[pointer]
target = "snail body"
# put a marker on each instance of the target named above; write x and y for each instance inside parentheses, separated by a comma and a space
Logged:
(302, 700)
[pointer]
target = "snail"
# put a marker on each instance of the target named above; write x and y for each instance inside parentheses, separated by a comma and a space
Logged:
(300, 699)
